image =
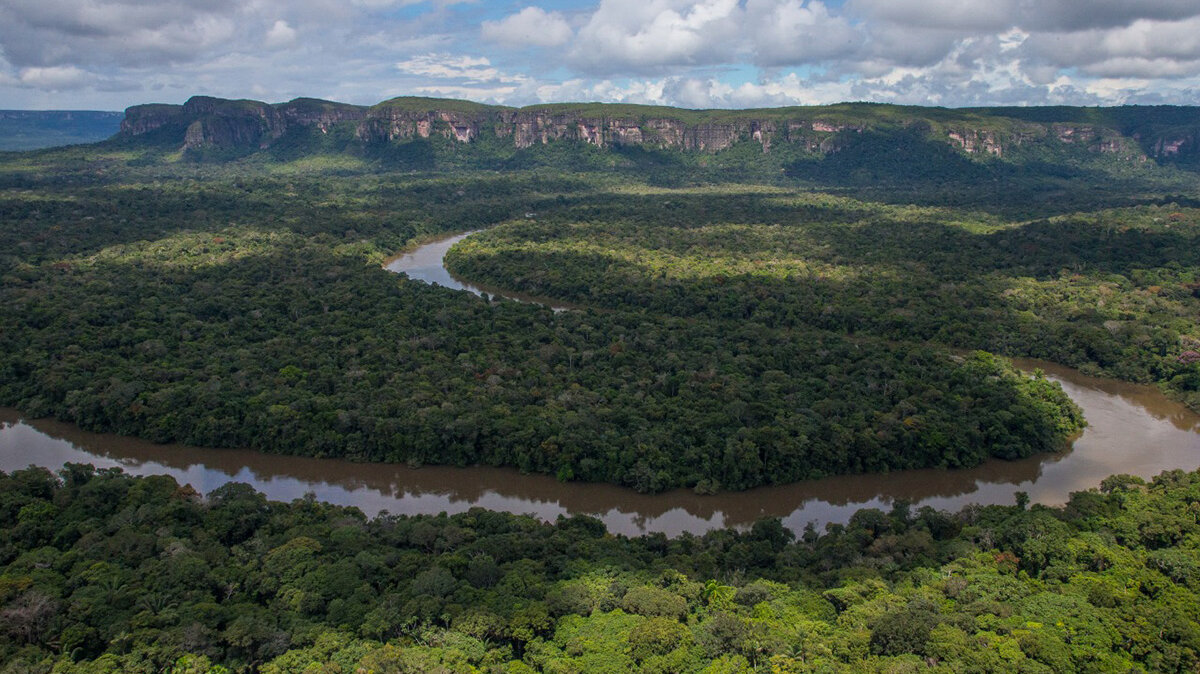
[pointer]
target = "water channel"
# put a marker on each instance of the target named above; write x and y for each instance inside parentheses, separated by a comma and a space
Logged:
(1132, 429)
(424, 263)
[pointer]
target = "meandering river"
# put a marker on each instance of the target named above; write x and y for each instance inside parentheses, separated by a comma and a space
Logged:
(1132, 429)
(424, 263)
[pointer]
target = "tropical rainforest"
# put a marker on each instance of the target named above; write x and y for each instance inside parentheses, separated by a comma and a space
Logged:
(759, 297)
(103, 572)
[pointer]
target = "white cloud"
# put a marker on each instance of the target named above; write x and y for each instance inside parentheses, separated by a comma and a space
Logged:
(531, 27)
(1143, 68)
(787, 90)
(792, 32)
(1155, 48)
(54, 78)
(697, 53)
(641, 35)
(643, 91)
(449, 66)
(280, 35)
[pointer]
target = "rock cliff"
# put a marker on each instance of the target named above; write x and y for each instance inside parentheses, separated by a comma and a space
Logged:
(221, 123)
(205, 122)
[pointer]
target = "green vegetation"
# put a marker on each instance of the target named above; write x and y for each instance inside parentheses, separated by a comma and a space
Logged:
(754, 315)
(231, 311)
(818, 318)
(1114, 291)
(102, 572)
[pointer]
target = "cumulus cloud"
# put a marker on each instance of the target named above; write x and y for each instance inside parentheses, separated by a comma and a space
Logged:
(649, 35)
(792, 32)
(54, 78)
(449, 66)
(532, 26)
(280, 35)
(696, 53)
(1145, 48)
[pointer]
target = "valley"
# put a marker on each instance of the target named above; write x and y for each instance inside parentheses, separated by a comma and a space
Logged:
(848, 388)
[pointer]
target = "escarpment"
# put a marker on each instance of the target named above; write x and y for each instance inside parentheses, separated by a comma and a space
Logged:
(1164, 133)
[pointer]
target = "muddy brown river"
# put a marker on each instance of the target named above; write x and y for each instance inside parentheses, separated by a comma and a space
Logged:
(1131, 429)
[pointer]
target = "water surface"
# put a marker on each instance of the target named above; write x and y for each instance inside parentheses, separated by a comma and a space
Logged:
(1131, 429)
(425, 263)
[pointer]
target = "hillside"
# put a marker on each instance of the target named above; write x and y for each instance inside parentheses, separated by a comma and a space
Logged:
(210, 128)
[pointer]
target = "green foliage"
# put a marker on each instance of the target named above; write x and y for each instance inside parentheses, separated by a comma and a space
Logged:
(732, 334)
(1111, 291)
(263, 320)
(132, 574)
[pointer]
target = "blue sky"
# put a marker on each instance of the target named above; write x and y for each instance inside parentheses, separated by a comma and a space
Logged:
(108, 54)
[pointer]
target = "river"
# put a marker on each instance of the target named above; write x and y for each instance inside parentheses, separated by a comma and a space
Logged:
(424, 263)
(1131, 429)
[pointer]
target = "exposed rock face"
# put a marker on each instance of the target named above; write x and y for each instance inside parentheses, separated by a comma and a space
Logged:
(394, 124)
(142, 119)
(320, 114)
(1171, 146)
(973, 142)
(205, 122)
(220, 123)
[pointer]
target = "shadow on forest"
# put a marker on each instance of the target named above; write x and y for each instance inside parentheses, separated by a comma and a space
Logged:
(853, 235)
(66, 219)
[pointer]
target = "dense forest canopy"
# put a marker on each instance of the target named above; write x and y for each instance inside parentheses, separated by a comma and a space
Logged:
(752, 313)
(765, 296)
(102, 572)
(218, 309)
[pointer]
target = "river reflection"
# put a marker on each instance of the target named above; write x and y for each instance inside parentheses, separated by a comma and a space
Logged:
(1132, 429)
(424, 263)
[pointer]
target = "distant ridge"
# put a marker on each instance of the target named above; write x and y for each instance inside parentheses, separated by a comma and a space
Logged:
(36, 129)
(214, 127)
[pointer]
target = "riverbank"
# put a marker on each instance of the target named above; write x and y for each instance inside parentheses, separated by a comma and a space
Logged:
(1131, 429)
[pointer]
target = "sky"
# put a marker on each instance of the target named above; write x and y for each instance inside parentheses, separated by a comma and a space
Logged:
(110, 54)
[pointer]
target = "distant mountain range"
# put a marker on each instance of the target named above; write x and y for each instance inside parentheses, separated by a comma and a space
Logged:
(215, 128)
(34, 129)
(853, 141)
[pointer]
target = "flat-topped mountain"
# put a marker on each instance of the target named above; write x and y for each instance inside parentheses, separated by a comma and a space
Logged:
(207, 126)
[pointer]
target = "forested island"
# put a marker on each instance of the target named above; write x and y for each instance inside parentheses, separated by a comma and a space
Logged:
(762, 297)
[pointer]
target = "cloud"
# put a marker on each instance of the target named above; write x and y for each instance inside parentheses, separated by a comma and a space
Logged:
(1039, 15)
(794, 32)
(649, 35)
(641, 91)
(973, 15)
(55, 78)
(449, 66)
(531, 27)
(280, 35)
(1145, 48)
(698, 53)
(1071, 15)
(89, 32)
